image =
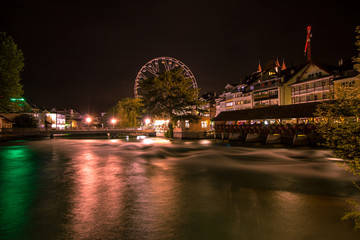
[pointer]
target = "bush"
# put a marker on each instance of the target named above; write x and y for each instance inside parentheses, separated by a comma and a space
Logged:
(25, 121)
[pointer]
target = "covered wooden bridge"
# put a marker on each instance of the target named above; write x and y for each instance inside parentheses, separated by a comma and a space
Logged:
(274, 124)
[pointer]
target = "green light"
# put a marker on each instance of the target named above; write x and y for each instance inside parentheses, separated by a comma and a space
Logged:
(17, 99)
(17, 172)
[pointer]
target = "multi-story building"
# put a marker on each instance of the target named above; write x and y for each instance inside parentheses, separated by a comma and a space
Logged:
(221, 101)
(312, 85)
(275, 85)
(235, 97)
(316, 81)
(349, 77)
(267, 87)
(209, 106)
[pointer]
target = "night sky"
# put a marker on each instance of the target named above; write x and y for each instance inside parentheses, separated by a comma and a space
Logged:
(86, 54)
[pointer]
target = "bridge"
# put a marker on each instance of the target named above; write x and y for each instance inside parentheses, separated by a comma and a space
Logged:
(51, 132)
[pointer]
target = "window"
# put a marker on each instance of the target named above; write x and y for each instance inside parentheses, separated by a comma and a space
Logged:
(274, 102)
(229, 104)
(204, 124)
(187, 124)
(348, 84)
(302, 98)
(274, 92)
(310, 85)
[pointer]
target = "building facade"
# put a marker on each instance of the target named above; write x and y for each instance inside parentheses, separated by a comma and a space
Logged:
(305, 83)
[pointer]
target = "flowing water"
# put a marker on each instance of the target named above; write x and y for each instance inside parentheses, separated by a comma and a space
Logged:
(153, 188)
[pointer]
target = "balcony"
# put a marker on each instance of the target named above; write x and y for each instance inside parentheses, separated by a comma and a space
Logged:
(271, 84)
(265, 96)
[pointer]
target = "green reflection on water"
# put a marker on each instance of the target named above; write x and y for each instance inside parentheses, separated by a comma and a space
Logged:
(16, 189)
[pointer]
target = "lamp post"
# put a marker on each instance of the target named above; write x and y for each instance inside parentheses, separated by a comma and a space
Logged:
(88, 121)
(147, 121)
(113, 121)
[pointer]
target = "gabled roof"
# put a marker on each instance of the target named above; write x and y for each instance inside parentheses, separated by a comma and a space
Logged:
(6, 119)
(271, 112)
(327, 68)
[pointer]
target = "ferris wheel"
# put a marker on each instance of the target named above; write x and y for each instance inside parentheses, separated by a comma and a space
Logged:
(159, 65)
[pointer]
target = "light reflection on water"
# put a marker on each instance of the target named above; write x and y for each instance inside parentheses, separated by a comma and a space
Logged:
(154, 188)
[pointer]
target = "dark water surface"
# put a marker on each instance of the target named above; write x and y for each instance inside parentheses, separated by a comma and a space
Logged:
(157, 189)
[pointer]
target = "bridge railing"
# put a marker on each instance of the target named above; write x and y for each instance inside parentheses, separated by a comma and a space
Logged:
(35, 130)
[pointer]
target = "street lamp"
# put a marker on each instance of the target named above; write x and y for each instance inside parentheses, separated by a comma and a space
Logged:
(147, 121)
(88, 121)
(113, 121)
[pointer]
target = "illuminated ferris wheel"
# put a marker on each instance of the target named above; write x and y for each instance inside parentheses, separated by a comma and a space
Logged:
(159, 65)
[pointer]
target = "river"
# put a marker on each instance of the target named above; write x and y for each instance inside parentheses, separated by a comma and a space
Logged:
(153, 188)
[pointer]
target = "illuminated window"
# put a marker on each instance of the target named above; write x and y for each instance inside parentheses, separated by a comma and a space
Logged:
(187, 124)
(229, 104)
(204, 124)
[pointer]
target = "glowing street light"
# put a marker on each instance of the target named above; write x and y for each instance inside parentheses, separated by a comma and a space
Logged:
(113, 121)
(88, 121)
(147, 121)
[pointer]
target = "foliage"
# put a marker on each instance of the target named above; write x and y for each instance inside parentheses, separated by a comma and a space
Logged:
(11, 65)
(127, 112)
(25, 121)
(171, 95)
(340, 125)
(356, 59)
(340, 129)
(354, 214)
(170, 132)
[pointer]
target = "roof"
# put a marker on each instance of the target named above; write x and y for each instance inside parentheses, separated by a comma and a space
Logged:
(6, 119)
(271, 112)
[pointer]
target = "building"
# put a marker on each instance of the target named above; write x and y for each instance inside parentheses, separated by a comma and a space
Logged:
(209, 107)
(5, 123)
(55, 120)
(316, 82)
(275, 85)
(185, 129)
(266, 88)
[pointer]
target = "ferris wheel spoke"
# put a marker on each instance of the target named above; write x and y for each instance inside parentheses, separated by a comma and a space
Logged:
(141, 75)
(159, 65)
(150, 68)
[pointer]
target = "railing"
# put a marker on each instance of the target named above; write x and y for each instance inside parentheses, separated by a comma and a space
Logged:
(282, 129)
(43, 131)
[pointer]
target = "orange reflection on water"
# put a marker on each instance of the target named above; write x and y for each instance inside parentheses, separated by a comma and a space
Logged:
(96, 194)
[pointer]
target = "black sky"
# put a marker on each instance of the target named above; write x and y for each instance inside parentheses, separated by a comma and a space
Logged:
(86, 54)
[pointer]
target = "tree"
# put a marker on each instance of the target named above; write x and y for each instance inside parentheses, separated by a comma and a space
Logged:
(25, 121)
(356, 59)
(340, 125)
(127, 111)
(340, 129)
(11, 65)
(171, 95)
